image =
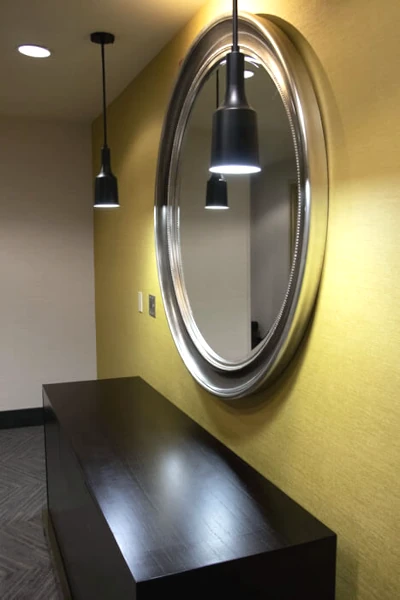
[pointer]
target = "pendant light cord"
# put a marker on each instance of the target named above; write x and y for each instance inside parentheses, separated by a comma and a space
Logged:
(235, 46)
(104, 96)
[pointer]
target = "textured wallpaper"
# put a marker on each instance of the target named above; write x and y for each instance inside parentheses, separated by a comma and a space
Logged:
(328, 433)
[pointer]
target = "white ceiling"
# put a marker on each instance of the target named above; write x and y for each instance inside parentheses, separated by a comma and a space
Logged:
(68, 84)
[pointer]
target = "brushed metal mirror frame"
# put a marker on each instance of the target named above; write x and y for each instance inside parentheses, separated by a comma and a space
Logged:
(262, 39)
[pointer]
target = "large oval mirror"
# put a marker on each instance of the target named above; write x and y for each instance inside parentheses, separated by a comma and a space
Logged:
(240, 257)
(237, 259)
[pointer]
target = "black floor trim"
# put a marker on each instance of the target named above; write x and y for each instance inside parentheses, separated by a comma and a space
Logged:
(21, 418)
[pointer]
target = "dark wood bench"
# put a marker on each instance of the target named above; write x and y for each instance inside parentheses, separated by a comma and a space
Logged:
(144, 503)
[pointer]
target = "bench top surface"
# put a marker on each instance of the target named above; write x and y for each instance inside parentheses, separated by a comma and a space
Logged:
(173, 496)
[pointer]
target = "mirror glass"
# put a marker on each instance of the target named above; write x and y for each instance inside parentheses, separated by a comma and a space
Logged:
(236, 262)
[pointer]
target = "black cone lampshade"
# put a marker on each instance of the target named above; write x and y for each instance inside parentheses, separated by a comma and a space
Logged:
(217, 192)
(234, 148)
(106, 185)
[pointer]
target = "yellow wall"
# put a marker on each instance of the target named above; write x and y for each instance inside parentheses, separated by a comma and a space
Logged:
(329, 435)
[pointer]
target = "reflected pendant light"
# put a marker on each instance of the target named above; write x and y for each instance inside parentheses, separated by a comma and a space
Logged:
(217, 192)
(106, 187)
(217, 189)
(234, 148)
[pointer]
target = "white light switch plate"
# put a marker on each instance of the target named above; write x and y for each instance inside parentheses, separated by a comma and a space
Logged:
(140, 302)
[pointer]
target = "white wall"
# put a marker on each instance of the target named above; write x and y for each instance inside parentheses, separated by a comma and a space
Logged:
(47, 322)
(270, 240)
(216, 252)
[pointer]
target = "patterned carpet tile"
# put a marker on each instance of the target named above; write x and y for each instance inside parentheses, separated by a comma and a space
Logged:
(23, 450)
(23, 503)
(23, 543)
(25, 567)
(30, 584)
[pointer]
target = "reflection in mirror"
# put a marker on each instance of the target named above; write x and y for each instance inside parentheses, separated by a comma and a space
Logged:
(236, 262)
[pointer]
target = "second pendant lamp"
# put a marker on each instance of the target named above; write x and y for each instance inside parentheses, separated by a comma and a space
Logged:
(217, 187)
(106, 186)
(234, 148)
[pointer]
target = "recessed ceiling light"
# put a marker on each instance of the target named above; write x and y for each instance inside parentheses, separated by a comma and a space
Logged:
(247, 72)
(248, 59)
(252, 61)
(34, 51)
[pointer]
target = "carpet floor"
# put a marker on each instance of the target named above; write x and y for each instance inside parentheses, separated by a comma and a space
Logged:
(25, 566)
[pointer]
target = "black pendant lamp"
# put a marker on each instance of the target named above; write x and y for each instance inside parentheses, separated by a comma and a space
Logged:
(217, 189)
(217, 192)
(234, 148)
(106, 186)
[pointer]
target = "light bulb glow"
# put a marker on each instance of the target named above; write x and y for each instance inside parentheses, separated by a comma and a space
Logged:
(106, 205)
(34, 51)
(235, 169)
(216, 207)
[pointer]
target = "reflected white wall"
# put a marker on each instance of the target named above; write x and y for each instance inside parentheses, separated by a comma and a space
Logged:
(270, 240)
(216, 252)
